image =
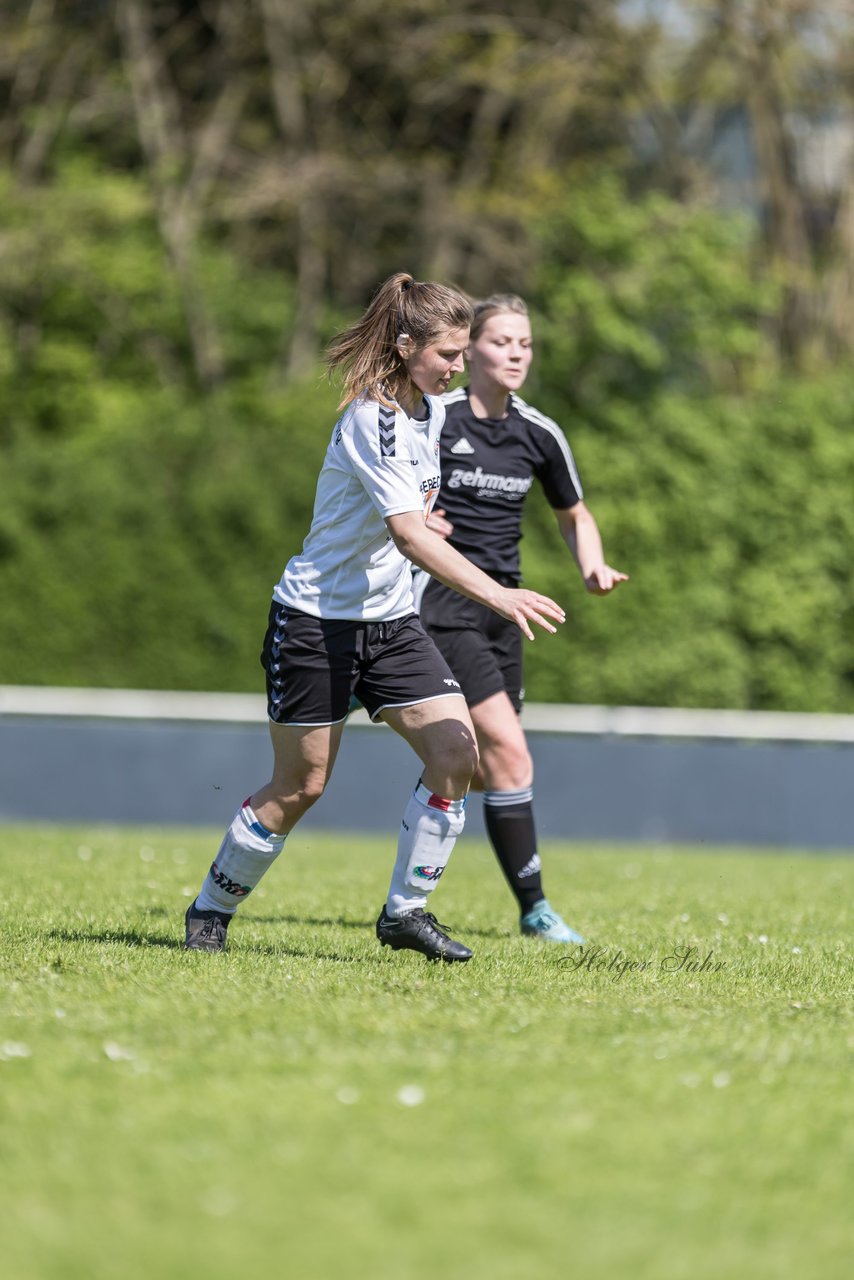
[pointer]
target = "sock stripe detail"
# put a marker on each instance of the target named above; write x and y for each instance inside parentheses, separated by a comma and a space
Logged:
(258, 827)
(433, 801)
(501, 799)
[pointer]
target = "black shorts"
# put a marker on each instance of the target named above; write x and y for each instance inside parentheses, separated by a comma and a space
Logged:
(483, 650)
(315, 666)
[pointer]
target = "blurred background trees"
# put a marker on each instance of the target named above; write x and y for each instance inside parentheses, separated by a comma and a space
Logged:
(195, 196)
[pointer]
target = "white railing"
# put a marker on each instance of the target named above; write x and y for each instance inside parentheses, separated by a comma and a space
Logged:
(617, 722)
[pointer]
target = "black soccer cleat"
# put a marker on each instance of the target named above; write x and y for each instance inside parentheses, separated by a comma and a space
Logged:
(206, 930)
(420, 931)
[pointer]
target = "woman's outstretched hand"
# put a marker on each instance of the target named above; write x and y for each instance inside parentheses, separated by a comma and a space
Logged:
(603, 579)
(521, 606)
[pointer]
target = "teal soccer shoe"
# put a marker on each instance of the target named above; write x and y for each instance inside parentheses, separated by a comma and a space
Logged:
(543, 922)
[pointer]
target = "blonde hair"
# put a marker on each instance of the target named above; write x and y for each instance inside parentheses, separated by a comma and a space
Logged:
(497, 304)
(367, 351)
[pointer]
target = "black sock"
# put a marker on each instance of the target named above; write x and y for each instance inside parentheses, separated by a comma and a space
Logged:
(509, 818)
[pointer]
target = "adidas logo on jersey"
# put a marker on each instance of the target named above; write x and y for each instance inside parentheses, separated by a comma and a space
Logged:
(461, 446)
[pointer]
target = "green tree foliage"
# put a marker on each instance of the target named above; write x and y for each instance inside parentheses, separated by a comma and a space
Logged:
(146, 520)
(734, 519)
(723, 490)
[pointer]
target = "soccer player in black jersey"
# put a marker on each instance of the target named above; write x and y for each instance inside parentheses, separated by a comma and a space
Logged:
(493, 447)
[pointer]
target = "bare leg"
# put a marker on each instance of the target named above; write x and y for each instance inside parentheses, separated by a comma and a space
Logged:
(441, 733)
(302, 764)
(505, 762)
(506, 776)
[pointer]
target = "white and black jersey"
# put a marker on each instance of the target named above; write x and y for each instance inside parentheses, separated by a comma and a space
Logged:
(488, 468)
(379, 463)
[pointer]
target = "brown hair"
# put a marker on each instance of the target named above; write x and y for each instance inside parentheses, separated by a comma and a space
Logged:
(496, 304)
(367, 351)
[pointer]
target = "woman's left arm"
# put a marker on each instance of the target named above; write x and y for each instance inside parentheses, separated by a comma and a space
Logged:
(581, 534)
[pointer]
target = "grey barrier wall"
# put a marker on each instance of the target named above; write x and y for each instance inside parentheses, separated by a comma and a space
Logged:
(602, 773)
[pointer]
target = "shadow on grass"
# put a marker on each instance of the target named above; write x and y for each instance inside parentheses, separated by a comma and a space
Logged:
(329, 921)
(120, 937)
(283, 951)
(136, 938)
(322, 921)
(250, 917)
(495, 932)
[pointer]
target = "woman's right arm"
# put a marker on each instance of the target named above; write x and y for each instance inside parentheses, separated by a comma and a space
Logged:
(431, 552)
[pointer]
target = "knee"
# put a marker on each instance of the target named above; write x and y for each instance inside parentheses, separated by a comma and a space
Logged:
(449, 754)
(522, 767)
(312, 789)
(302, 792)
(507, 767)
(460, 759)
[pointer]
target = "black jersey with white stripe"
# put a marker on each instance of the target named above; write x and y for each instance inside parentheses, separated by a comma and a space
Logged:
(488, 468)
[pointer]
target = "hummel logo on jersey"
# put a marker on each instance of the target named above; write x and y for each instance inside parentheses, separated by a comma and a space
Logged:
(386, 431)
(530, 868)
(461, 446)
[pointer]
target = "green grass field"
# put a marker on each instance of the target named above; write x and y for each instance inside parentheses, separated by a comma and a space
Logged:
(312, 1105)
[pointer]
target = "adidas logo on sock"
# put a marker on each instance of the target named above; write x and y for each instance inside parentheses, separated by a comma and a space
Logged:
(530, 868)
(461, 446)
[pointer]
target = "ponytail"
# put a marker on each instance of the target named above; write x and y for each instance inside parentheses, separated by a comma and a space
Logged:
(367, 352)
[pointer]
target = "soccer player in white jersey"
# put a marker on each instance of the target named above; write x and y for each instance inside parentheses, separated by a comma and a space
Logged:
(342, 621)
(493, 447)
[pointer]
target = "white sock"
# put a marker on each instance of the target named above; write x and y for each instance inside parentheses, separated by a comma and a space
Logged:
(428, 833)
(247, 851)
